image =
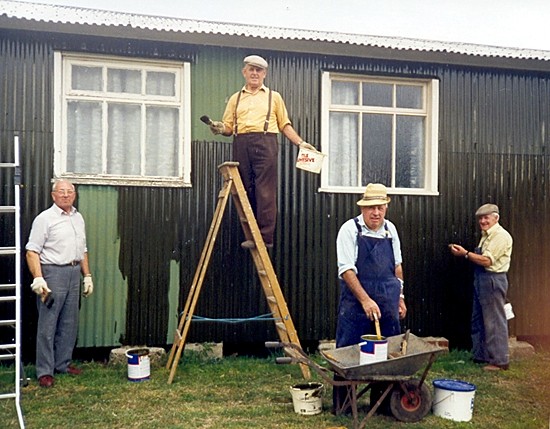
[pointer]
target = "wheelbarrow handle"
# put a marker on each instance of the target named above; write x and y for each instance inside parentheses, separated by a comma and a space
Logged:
(284, 360)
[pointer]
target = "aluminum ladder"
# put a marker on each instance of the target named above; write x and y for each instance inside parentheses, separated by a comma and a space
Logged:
(11, 292)
(233, 186)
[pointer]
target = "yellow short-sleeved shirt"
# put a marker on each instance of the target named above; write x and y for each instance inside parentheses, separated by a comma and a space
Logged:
(496, 244)
(252, 111)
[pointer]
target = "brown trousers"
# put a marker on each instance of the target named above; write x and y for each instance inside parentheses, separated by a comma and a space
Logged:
(257, 155)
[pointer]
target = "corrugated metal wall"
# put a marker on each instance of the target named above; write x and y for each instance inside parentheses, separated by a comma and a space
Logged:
(145, 243)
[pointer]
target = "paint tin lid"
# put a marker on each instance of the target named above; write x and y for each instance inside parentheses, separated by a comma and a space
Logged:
(454, 385)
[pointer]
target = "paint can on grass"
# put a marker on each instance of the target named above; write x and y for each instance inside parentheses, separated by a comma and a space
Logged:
(307, 398)
(139, 365)
(454, 399)
(373, 349)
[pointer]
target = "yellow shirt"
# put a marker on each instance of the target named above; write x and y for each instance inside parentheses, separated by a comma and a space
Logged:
(496, 244)
(252, 111)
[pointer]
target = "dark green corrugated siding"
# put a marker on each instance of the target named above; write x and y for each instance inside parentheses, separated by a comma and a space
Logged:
(493, 147)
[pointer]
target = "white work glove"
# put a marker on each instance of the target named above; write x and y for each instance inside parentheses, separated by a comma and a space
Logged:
(88, 286)
(40, 287)
(217, 127)
(306, 145)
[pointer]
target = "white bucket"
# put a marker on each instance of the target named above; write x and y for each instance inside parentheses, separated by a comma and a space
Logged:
(373, 349)
(454, 399)
(310, 160)
(307, 398)
(139, 365)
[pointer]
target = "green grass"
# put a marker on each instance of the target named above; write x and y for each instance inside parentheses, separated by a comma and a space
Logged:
(240, 392)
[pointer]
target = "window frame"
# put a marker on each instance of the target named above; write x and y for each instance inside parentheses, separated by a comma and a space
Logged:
(431, 98)
(182, 100)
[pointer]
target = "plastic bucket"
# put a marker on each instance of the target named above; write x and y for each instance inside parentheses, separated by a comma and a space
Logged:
(373, 349)
(310, 160)
(139, 365)
(307, 398)
(454, 399)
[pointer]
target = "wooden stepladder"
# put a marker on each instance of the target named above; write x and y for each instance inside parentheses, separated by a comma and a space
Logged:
(233, 185)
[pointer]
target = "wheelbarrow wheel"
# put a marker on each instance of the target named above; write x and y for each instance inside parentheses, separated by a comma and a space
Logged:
(413, 405)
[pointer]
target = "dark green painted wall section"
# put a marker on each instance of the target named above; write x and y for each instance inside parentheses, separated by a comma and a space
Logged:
(145, 242)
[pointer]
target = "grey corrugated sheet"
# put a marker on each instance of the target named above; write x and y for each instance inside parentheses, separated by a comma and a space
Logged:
(493, 147)
(86, 16)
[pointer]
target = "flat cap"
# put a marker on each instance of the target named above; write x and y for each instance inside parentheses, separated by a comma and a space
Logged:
(256, 60)
(486, 209)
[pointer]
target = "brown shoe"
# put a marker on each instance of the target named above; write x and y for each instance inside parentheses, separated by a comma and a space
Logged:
(495, 367)
(73, 370)
(46, 381)
(248, 244)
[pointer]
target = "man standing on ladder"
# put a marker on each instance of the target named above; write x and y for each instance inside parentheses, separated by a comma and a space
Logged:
(254, 116)
(57, 256)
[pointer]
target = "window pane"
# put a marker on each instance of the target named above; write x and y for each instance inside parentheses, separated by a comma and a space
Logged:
(124, 81)
(161, 147)
(83, 137)
(123, 141)
(377, 94)
(410, 152)
(377, 147)
(409, 96)
(159, 83)
(86, 78)
(345, 93)
(343, 145)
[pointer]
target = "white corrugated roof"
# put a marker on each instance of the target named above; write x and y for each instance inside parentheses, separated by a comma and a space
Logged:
(94, 17)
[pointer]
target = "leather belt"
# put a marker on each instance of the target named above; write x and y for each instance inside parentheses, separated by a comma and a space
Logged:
(72, 264)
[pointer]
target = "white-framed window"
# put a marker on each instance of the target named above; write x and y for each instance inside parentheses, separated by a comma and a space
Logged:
(122, 121)
(379, 130)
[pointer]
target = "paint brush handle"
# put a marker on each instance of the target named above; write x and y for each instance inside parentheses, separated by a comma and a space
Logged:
(377, 326)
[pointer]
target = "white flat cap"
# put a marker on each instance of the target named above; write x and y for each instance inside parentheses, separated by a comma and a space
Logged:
(256, 60)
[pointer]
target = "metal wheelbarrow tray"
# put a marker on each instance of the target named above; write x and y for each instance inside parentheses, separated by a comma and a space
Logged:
(344, 361)
(391, 382)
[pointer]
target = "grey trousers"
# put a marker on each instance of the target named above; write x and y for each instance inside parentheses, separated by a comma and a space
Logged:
(58, 326)
(489, 324)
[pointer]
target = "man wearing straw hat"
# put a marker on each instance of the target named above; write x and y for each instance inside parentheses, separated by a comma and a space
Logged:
(254, 116)
(371, 276)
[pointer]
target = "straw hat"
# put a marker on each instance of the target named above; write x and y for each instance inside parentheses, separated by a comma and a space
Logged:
(255, 60)
(486, 209)
(375, 194)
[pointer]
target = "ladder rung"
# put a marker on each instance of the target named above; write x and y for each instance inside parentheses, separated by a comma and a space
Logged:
(271, 298)
(7, 322)
(8, 395)
(7, 250)
(281, 326)
(6, 347)
(7, 357)
(9, 298)
(8, 164)
(244, 220)
(7, 286)
(7, 209)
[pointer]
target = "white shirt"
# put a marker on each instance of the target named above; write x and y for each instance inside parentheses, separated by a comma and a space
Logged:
(58, 237)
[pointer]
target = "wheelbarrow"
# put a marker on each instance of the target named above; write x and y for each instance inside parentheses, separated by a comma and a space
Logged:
(410, 399)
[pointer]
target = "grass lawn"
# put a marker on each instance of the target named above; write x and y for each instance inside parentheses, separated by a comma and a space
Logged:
(244, 392)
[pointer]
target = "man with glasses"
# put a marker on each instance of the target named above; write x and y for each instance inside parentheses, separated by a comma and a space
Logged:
(57, 257)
